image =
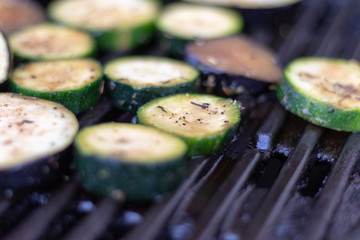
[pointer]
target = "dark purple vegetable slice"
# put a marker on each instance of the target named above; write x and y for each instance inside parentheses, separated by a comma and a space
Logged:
(15, 14)
(33, 132)
(234, 64)
(5, 58)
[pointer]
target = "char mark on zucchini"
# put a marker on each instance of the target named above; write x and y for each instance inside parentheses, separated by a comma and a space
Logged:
(324, 91)
(207, 123)
(75, 83)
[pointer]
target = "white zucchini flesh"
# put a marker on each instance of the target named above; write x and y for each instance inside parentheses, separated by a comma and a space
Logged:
(330, 81)
(4, 58)
(130, 143)
(249, 4)
(50, 41)
(57, 75)
(31, 129)
(145, 71)
(195, 21)
(191, 115)
(104, 14)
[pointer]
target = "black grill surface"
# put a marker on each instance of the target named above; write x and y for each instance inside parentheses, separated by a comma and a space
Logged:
(280, 178)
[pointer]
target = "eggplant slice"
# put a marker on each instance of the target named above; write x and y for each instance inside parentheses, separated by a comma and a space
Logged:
(234, 64)
(15, 14)
(33, 132)
(4, 58)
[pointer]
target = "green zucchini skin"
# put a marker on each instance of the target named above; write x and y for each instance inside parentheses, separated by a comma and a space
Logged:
(123, 40)
(317, 112)
(199, 145)
(55, 32)
(118, 169)
(117, 38)
(76, 100)
(129, 96)
(138, 182)
(175, 46)
(210, 144)
(175, 43)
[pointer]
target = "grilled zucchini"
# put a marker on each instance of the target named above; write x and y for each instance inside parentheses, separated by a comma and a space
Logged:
(205, 122)
(135, 160)
(324, 91)
(116, 25)
(76, 83)
(51, 42)
(180, 23)
(133, 81)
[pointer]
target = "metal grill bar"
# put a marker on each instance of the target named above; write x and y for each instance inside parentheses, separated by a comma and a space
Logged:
(266, 135)
(300, 34)
(221, 202)
(37, 221)
(154, 221)
(331, 43)
(331, 194)
(95, 223)
(4, 204)
(283, 187)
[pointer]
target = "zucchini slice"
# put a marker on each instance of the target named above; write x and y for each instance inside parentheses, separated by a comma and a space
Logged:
(33, 132)
(133, 81)
(76, 83)
(51, 42)
(180, 23)
(205, 122)
(234, 64)
(116, 25)
(5, 58)
(136, 160)
(16, 14)
(324, 91)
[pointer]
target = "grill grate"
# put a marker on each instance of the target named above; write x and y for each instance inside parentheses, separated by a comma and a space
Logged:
(281, 178)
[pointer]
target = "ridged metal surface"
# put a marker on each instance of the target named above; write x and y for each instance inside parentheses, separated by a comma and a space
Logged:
(281, 177)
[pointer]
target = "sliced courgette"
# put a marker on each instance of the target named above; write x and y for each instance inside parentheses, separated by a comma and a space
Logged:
(116, 25)
(205, 122)
(51, 42)
(323, 91)
(180, 23)
(77, 83)
(5, 58)
(234, 64)
(32, 133)
(133, 81)
(136, 160)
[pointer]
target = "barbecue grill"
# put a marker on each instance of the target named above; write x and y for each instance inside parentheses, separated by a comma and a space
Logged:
(280, 178)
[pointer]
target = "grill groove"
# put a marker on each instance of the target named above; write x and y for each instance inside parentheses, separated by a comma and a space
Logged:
(230, 195)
